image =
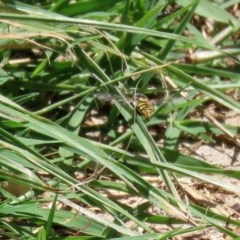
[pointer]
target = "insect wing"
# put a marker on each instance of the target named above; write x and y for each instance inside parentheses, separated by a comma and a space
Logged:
(105, 97)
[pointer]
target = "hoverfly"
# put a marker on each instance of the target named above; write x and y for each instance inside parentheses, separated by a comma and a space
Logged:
(140, 101)
(163, 14)
(143, 105)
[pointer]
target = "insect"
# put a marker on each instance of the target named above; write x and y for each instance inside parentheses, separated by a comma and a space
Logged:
(140, 101)
(143, 105)
(163, 14)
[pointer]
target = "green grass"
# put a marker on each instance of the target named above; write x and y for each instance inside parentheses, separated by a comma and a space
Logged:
(55, 57)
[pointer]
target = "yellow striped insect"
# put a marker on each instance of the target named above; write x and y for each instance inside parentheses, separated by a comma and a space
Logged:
(141, 103)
